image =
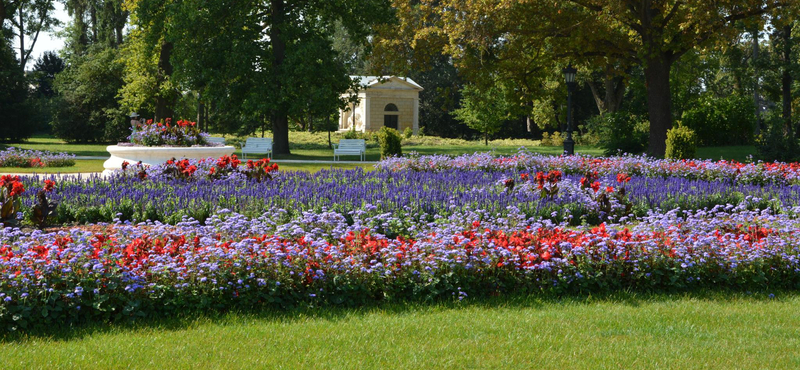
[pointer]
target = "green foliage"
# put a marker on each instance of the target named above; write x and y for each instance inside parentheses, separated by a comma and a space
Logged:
(484, 109)
(774, 144)
(408, 132)
(681, 143)
(724, 121)
(87, 107)
(554, 139)
(620, 132)
(14, 108)
(353, 134)
(390, 142)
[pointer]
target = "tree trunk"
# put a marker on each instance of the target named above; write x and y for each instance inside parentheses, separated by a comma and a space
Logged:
(165, 105)
(757, 75)
(2, 14)
(486, 138)
(280, 119)
(613, 92)
(786, 79)
(659, 103)
(21, 38)
(93, 17)
(201, 119)
(118, 34)
(330, 144)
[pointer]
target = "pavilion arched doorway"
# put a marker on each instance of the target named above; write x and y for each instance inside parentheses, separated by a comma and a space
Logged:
(390, 116)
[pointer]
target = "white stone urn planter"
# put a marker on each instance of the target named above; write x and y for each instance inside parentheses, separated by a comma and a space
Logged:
(155, 155)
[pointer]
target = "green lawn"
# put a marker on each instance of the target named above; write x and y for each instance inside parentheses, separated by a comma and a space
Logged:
(307, 146)
(720, 331)
(97, 166)
(58, 145)
(81, 165)
(739, 153)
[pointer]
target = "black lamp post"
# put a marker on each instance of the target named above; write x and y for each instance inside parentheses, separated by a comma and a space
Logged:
(569, 75)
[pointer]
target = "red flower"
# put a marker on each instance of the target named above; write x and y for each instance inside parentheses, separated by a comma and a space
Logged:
(596, 186)
(621, 178)
(49, 185)
(609, 189)
(125, 165)
(17, 188)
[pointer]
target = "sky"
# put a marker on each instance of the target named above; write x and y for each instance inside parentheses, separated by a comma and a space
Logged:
(47, 41)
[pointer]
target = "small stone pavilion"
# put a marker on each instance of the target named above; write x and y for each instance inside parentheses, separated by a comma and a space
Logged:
(389, 101)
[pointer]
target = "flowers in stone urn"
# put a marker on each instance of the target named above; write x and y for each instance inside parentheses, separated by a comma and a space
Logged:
(167, 133)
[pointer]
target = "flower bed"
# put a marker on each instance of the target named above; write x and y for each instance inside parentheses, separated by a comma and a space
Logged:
(321, 258)
(14, 157)
(410, 195)
(758, 172)
(180, 134)
(220, 234)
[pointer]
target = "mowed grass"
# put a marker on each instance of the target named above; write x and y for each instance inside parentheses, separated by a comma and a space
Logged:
(81, 165)
(724, 331)
(738, 153)
(58, 145)
(307, 146)
(91, 165)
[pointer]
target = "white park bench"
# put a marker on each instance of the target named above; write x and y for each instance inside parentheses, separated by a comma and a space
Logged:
(216, 140)
(350, 147)
(257, 145)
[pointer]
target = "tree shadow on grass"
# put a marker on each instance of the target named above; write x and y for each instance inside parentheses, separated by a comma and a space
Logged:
(337, 313)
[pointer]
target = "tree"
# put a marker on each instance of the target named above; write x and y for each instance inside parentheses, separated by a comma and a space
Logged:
(484, 109)
(13, 97)
(657, 34)
(87, 107)
(46, 68)
(28, 18)
(278, 45)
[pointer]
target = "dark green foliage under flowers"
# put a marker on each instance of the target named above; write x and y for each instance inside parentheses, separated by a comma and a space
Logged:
(620, 132)
(723, 121)
(681, 143)
(390, 142)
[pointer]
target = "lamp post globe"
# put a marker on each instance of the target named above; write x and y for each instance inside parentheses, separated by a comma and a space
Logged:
(570, 73)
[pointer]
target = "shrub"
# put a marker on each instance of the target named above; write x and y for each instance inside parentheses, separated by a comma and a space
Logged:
(620, 132)
(408, 132)
(774, 145)
(722, 121)
(390, 142)
(681, 143)
(554, 139)
(87, 108)
(352, 134)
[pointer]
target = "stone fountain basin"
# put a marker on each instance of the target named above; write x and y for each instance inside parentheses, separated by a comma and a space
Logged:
(155, 155)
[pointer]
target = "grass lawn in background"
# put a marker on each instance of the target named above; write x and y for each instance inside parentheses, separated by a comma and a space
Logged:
(81, 165)
(306, 146)
(719, 331)
(96, 165)
(58, 145)
(738, 153)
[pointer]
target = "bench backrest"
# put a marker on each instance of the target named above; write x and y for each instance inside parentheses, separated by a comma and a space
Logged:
(258, 143)
(352, 144)
(217, 140)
